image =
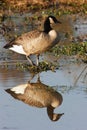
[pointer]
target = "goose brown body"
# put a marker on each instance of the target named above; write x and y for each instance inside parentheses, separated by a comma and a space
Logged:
(38, 95)
(36, 42)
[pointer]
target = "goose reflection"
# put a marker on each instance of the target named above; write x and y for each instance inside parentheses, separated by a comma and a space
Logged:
(38, 95)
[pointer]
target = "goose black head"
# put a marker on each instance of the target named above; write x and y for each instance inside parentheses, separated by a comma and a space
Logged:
(49, 20)
(52, 19)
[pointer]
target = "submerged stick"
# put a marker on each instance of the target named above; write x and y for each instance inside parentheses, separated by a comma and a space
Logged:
(80, 75)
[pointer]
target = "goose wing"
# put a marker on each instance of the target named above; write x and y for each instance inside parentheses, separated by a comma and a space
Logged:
(27, 95)
(24, 38)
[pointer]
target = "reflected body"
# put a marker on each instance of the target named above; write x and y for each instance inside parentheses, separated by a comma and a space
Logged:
(36, 41)
(38, 95)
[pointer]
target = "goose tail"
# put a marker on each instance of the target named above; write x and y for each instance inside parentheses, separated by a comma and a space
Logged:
(10, 44)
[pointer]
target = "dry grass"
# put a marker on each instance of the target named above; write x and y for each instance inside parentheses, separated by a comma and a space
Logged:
(26, 5)
(79, 2)
(45, 2)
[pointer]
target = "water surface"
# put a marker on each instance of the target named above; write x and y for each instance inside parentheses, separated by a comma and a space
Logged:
(70, 80)
(15, 114)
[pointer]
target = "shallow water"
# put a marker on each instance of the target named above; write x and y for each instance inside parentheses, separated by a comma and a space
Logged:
(81, 26)
(15, 114)
(70, 80)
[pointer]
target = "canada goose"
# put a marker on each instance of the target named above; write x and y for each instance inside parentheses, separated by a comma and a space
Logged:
(36, 42)
(38, 95)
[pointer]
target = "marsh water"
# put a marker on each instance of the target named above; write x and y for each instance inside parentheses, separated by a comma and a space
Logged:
(69, 80)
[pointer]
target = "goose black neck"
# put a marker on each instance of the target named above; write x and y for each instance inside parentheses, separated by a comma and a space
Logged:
(47, 26)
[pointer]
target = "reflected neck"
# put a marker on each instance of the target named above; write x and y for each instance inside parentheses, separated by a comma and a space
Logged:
(53, 116)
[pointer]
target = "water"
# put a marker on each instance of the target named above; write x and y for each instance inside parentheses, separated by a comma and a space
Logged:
(81, 25)
(15, 114)
(70, 80)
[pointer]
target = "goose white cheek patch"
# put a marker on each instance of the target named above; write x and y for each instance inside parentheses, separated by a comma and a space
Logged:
(20, 89)
(51, 20)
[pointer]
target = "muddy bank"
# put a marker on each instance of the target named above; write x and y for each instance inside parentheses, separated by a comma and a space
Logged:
(7, 7)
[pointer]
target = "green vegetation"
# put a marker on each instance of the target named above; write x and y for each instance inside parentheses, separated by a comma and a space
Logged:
(71, 49)
(43, 66)
(77, 49)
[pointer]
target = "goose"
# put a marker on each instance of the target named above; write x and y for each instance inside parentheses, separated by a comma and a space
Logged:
(38, 95)
(35, 42)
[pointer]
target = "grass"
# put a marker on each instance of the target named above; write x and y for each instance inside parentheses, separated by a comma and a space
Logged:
(71, 49)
